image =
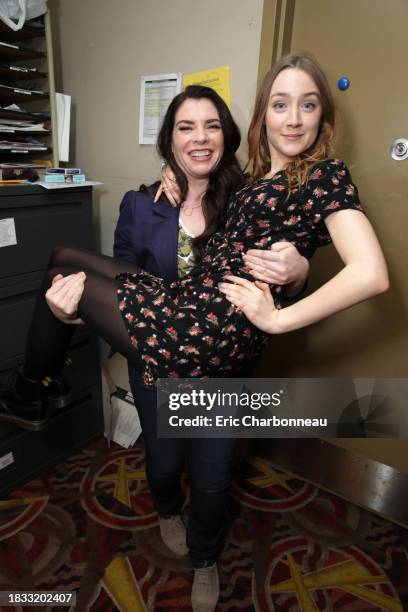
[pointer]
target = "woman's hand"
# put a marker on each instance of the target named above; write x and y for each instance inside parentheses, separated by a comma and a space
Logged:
(64, 295)
(169, 186)
(281, 265)
(255, 301)
(364, 273)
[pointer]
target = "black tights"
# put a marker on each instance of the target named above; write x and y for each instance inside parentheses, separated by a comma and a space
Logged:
(48, 338)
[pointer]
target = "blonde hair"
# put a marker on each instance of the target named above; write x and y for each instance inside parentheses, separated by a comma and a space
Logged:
(297, 170)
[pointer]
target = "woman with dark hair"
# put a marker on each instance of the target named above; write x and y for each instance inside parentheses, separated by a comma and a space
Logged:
(221, 177)
(166, 241)
(192, 327)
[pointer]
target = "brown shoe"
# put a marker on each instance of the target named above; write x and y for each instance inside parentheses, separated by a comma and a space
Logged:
(206, 589)
(173, 533)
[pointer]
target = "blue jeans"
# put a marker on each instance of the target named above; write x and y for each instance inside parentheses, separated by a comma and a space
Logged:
(208, 464)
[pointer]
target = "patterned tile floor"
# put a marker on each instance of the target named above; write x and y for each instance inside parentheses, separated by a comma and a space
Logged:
(89, 526)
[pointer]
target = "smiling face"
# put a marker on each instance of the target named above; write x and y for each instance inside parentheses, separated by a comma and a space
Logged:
(293, 116)
(198, 140)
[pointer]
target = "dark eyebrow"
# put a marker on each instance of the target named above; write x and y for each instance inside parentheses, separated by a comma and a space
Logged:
(286, 95)
(189, 122)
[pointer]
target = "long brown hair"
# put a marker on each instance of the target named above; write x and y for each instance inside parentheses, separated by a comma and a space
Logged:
(297, 170)
(225, 179)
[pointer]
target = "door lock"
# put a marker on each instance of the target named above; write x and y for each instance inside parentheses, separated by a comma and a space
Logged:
(399, 149)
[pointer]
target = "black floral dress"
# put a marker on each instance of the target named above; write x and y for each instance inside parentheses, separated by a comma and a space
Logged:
(188, 328)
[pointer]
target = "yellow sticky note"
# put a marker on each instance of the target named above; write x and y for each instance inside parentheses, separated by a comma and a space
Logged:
(216, 78)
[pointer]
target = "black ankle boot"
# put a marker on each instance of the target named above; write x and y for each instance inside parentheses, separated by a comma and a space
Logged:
(24, 404)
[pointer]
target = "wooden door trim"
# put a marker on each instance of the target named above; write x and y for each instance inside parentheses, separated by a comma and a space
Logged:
(276, 33)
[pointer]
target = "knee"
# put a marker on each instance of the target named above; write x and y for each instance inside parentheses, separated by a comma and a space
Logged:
(50, 274)
(211, 482)
(163, 463)
(60, 256)
(163, 473)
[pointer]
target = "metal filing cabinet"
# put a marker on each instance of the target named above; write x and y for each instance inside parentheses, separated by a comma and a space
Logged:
(32, 222)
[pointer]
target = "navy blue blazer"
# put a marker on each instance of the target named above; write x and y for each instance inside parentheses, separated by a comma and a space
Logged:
(147, 235)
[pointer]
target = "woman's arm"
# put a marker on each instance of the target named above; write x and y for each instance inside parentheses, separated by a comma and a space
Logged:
(168, 186)
(364, 275)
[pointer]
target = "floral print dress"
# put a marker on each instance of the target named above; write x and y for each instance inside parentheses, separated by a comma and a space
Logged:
(188, 328)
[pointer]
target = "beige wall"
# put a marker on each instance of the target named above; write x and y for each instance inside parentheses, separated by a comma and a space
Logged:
(102, 48)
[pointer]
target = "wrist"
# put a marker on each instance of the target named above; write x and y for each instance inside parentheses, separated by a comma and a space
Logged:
(296, 286)
(277, 322)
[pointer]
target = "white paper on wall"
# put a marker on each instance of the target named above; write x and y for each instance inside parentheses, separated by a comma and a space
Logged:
(156, 93)
(63, 120)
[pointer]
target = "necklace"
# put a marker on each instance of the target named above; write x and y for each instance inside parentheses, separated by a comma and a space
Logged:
(189, 211)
